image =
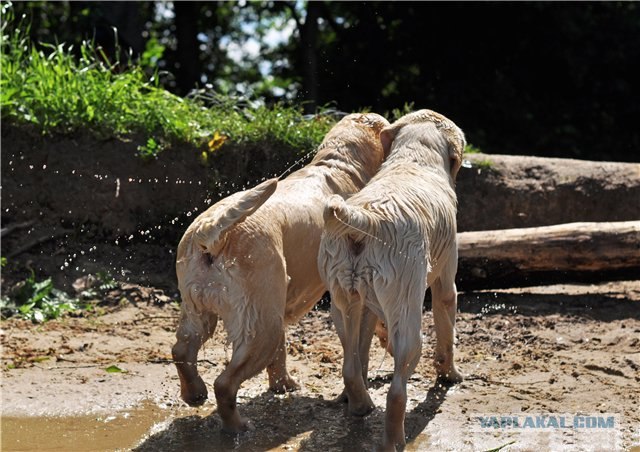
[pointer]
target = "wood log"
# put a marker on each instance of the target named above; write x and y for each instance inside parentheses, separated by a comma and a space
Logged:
(573, 252)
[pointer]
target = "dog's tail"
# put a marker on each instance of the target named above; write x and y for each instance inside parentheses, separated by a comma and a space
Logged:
(210, 233)
(341, 218)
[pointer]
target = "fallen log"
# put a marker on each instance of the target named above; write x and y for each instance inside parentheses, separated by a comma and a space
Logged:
(573, 252)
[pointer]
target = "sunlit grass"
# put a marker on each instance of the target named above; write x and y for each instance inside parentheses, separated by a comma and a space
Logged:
(62, 90)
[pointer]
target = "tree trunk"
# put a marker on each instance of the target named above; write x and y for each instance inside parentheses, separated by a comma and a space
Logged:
(581, 252)
(309, 38)
(188, 54)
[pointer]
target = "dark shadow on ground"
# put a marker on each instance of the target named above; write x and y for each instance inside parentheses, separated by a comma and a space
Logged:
(602, 307)
(322, 426)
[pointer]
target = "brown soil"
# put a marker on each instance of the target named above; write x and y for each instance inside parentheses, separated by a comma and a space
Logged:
(558, 350)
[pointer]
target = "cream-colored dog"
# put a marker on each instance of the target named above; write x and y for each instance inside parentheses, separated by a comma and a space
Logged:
(251, 259)
(383, 247)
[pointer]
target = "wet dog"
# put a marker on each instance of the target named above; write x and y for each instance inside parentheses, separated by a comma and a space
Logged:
(383, 247)
(251, 260)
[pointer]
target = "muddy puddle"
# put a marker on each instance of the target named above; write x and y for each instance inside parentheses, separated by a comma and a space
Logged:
(117, 431)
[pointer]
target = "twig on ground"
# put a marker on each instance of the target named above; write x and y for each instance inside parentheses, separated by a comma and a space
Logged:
(12, 227)
(37, 242)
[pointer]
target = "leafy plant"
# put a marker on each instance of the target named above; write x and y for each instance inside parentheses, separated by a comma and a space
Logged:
(104, 283)
(499, 448)
(398, 113)
(149, 150)
(37, 301)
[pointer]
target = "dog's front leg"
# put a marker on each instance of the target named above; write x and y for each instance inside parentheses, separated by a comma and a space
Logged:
(279, 379)
(445, 300)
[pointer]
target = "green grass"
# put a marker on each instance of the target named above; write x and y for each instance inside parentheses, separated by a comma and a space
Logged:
(484, 164)
(61, 92)
(471, 149)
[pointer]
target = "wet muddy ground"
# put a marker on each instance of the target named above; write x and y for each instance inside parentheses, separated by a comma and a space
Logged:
(566, 351)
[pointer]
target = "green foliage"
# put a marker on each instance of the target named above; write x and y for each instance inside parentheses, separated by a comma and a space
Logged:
(150, 150)
(37, 301)
(105, 283)
(471, 149)
(58, 92)
(398, 113)
(499, 448)
(485, 164)
(40, 301)
(152, 53)
(114, 369)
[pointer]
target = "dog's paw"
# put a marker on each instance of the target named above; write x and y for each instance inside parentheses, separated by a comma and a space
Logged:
(238, 426)
(450, 378)
(195, 393)
(361, 408)
(341, 399)
(283, 385)
(389, 444)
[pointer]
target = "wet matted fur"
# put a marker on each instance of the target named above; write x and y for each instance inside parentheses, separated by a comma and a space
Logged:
(383, 247)
(251, 260)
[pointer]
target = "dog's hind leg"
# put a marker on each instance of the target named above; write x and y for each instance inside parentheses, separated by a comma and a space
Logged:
(406, 342)
(348, 318)
(338, 322)
(367, 328)
(445, 300)
(193, 331)
(253, 349)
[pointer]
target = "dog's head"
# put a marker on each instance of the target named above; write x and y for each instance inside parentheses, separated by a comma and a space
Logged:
(452, 135)
(355, 139)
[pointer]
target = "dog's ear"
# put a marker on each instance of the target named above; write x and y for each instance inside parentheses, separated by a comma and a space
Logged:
(457, 144)
(387, 135)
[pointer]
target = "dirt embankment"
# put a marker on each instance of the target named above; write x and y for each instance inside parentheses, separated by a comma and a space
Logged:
(84, 204)
(78, 180)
